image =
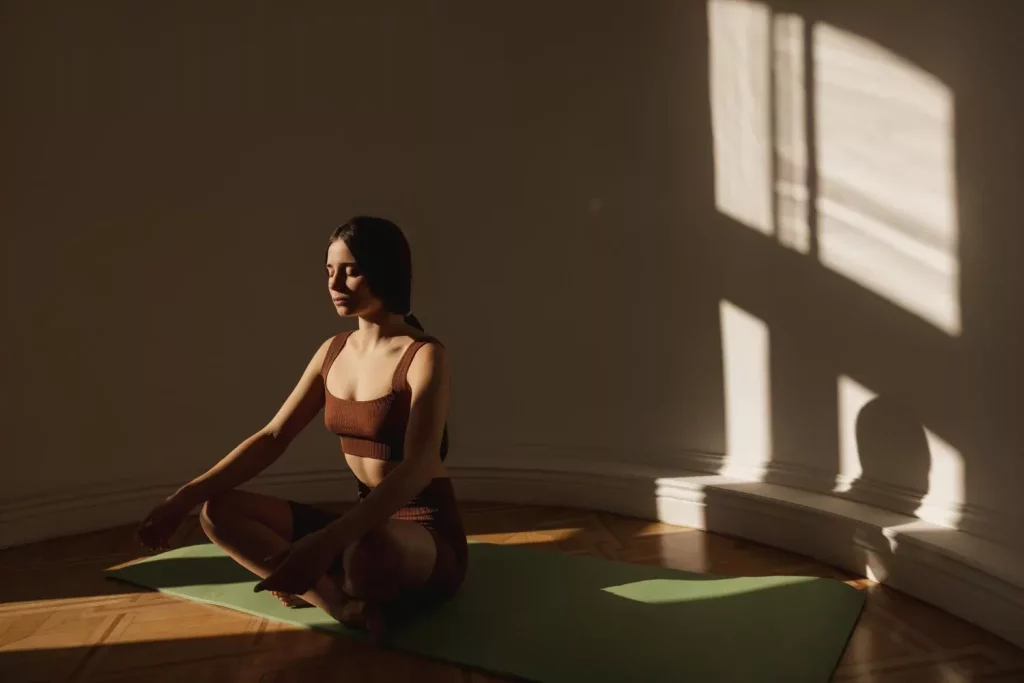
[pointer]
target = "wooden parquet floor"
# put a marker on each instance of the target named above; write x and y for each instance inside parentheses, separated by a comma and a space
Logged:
(60, 620)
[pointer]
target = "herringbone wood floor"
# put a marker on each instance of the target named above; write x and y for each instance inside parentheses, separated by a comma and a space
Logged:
(61, 621)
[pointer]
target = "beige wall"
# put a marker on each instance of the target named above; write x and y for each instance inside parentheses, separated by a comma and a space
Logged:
(172, 173)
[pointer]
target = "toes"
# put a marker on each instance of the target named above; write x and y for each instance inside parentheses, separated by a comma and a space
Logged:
(289, 600)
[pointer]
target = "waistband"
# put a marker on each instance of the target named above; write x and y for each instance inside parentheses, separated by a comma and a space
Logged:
(440, 489)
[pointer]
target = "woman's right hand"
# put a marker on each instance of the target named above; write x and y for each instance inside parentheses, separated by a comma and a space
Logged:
(156, 529)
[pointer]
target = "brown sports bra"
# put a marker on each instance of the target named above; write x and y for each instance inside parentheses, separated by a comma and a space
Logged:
(375, 428)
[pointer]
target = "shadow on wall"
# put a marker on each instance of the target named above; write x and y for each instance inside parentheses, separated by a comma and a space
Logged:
(840, 217)
(892, 448)
(867, 331)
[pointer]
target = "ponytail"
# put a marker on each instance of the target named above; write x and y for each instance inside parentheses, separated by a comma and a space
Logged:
(410, 319)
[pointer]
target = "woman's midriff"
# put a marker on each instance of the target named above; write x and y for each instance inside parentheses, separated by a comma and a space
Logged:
(372, 472)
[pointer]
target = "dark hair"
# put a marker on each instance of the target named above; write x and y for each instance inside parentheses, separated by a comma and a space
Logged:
(384, 257)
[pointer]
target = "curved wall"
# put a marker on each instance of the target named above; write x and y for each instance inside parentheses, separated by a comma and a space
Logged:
(715, 264)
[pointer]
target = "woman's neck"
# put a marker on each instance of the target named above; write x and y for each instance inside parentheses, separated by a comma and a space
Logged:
(379, 330)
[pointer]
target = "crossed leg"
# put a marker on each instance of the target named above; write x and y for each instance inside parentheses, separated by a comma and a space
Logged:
(397, 556)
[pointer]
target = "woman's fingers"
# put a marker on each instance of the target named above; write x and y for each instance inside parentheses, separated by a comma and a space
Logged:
(152, 536)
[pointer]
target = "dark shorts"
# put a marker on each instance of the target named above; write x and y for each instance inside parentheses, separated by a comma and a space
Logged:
(435, 509)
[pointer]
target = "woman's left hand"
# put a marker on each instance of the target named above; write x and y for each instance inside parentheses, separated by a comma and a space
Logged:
(298, 567)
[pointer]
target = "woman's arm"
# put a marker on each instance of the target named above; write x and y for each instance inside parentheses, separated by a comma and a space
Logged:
(260, 450)
(430, 383)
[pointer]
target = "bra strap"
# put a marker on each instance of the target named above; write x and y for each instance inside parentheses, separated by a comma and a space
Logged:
(400, 382)
(332, 352)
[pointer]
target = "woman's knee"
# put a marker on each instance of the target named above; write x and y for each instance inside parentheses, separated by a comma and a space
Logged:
(225, 508)
(217, 511)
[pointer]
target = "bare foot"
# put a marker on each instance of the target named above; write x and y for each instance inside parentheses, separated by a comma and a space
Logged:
(289, 600)
(362, 616)
(351, 612)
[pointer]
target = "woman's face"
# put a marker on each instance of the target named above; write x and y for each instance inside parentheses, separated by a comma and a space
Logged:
(346, 284)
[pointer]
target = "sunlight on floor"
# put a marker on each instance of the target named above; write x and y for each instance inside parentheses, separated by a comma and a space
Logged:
(526, 537)
(661, 529)
(664, 591)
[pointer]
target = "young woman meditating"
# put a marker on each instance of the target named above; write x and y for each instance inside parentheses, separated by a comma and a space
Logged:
(384, 389)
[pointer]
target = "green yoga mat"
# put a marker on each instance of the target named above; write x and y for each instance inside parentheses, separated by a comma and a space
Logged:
(546, 616)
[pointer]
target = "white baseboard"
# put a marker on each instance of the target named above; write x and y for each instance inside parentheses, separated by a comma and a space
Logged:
(972, 578)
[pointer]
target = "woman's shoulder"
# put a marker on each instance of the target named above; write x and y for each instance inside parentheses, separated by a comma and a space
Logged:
(425, 349)
(417, 335)
(426, 339)
(425, 362)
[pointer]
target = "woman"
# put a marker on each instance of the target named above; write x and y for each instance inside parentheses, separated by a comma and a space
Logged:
(384, 389)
